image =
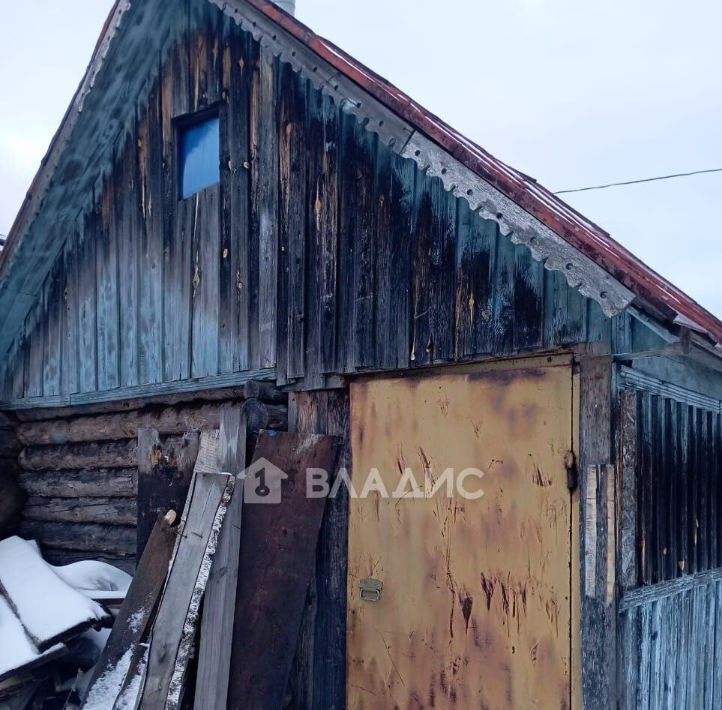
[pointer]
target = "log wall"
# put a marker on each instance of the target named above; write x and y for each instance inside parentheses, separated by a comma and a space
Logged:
(80, 474)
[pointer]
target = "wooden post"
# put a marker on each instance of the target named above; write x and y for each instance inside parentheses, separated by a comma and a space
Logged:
(598, 525)
(164, 477)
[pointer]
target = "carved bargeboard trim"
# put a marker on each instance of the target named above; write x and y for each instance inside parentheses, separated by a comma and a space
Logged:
(581, 273)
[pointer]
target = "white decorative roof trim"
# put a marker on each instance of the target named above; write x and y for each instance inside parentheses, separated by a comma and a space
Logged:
(581, 273)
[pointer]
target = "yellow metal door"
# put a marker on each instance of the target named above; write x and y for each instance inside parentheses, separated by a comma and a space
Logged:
(475, 608)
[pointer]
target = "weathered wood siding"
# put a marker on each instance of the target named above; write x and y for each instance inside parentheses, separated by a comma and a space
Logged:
(319, 252)
(679, 488)
(670, 611)
(670, 652)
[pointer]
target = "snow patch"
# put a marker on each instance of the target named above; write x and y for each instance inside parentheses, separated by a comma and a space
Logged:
(106, 689)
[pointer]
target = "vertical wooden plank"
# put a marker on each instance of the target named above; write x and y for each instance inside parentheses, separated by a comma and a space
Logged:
(628, 662)
(178, 216)
(502, 336)
(403, 187)
(684, 563)
(364, 247)
(385, 274)
(434, 282)
(694, 492)
(476, 256)
(206, 56)
(717, 660)
(108, 322)
(326, 236)
(647, 529)
(646, 669)
(717, 474)
(35, 336)
(671, 449)
(712, 671)
(125, 225)
(657, 632)
(662, 476)
(265, 178)
(598, 608)
(710, 500)
(70, 325)
(292, 223)
(206, 241)
(628, 563)
(321, 257)
(214, 657)
(528, 300)
(235, 208)
(87, 307)
(52, 345)
(346, 244)
(150, 168)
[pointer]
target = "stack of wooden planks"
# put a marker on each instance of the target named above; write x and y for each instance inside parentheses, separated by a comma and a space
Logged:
(46, 615)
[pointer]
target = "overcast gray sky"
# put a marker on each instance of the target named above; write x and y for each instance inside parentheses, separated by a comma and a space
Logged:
(573, 93)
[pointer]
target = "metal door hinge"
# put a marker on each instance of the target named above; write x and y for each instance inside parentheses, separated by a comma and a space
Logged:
(570, 463)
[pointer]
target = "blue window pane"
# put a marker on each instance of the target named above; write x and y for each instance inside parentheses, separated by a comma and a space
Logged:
(199, 156)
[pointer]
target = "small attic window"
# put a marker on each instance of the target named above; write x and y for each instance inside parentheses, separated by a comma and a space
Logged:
(199, 154)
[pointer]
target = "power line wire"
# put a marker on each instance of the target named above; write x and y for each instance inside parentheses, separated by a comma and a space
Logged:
(636, 182)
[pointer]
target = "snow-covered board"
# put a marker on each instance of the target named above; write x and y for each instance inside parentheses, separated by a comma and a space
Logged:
(17, 652)
(49, 609)
(135, 615)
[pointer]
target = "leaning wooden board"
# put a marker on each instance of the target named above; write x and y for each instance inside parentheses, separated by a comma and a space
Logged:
(214, 654)
(206, 496)
(278, 554)
(138, 609)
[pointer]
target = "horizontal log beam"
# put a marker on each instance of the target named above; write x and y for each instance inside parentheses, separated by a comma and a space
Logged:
(228, 386)
(265, 391)
(110, 483)
(111, 454)
(168, 421)
(113, 540)
(111, 511)
(124, 425)
(264, 415)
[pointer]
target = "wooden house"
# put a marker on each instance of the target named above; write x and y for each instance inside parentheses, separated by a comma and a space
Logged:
(232, 202)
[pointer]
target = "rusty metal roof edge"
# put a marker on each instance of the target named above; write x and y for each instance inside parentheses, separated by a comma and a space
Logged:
(583, 234)
(579, 232)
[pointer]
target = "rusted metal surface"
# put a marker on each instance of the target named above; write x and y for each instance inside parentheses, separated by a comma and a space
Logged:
(277, 562)
(475, 609)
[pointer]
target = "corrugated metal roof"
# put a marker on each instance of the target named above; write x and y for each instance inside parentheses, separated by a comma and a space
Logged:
(653, 290)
